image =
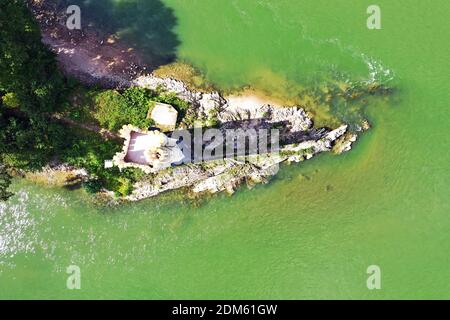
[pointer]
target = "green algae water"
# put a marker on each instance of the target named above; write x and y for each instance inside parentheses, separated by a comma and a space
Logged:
(313, 231)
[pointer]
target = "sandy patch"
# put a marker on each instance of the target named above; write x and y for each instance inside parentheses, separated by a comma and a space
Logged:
(253, 99)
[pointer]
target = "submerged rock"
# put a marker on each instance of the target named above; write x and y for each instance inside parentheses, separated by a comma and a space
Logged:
(344, 143)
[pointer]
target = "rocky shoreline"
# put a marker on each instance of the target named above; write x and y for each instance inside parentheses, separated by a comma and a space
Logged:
(99, 61)
(57, 175)
(227, 174)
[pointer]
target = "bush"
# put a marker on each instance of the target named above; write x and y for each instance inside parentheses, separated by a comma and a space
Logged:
(126, 186)
(92, 186)
(10, 100)
(114, 110)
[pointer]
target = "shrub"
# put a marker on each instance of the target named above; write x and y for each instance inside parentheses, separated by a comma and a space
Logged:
(126, 186)
(92, 186)
(113, 110)
(10, 100)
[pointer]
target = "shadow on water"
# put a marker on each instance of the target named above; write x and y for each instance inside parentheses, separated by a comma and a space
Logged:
(145, 25)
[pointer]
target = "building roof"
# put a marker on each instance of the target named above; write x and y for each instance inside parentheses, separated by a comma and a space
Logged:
(150, 151)
(164, 115)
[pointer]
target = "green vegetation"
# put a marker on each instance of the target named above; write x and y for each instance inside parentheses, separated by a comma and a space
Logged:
(27, 145)
(29, 78)
(32, 90)
(5, 181)
(92, 186)
(113, 109)
(28, 72)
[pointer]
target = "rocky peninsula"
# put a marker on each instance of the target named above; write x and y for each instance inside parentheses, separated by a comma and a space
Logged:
(101, 60)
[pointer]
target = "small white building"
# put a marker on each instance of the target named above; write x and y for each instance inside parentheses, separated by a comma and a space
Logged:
(109, 164)
(164, 115)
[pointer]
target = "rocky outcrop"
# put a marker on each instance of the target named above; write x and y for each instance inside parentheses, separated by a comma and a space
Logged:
(60, 175)
(344, 143)
(227, 174)
(171, 85)
(205, 106)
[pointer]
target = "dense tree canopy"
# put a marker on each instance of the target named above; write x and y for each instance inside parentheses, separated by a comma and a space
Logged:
(28, 70)
(30, 87)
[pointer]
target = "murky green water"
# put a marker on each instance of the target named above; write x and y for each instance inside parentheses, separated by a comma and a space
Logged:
(316, 228)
